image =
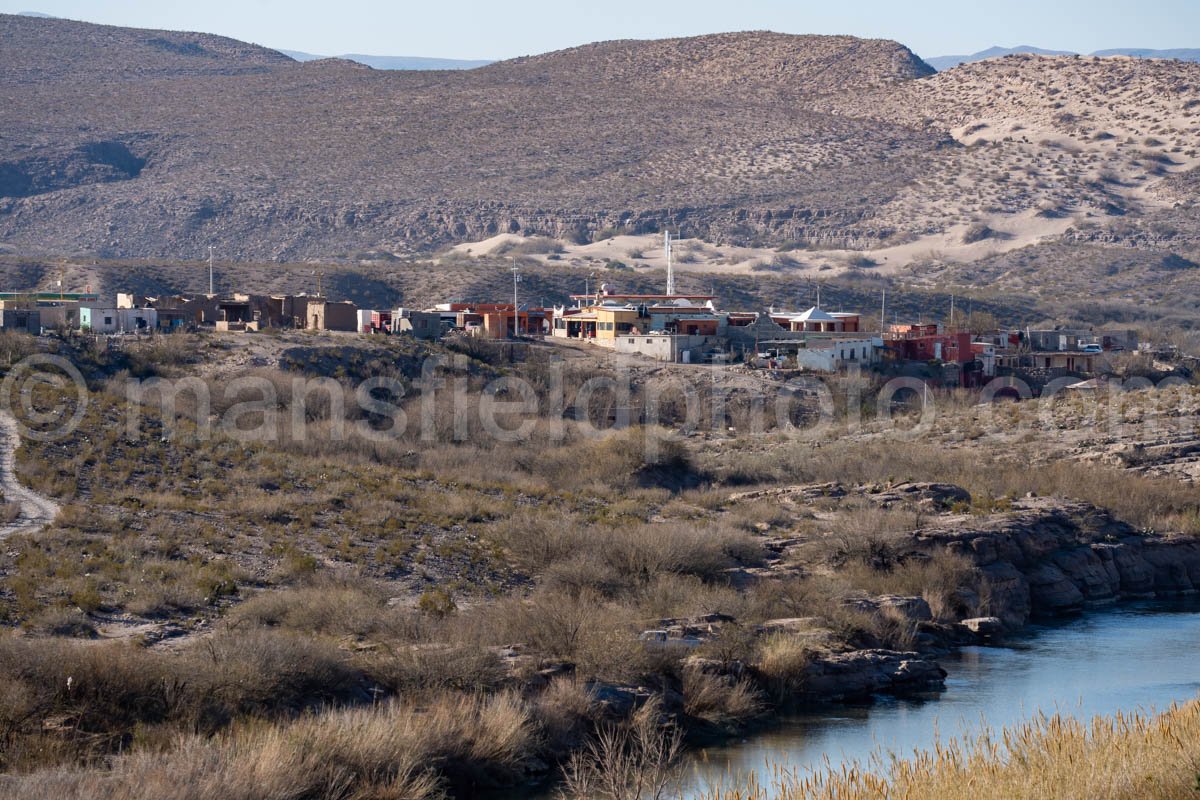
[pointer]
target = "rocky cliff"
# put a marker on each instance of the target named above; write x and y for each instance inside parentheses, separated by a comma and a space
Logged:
(1051, 557)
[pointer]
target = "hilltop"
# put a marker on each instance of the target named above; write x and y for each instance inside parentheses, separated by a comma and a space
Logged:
(941, 63)
(45, 50)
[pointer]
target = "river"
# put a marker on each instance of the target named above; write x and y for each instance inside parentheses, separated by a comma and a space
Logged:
(1133, 656)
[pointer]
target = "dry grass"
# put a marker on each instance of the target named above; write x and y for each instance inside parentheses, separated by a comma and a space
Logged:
(782, 663)
(1124, 757)
(389, 751)
(391, 587)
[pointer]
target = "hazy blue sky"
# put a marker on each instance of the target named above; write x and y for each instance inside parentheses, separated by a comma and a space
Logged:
(477, 29)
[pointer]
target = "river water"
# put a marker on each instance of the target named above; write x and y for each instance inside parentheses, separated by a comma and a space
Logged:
(1137, 656)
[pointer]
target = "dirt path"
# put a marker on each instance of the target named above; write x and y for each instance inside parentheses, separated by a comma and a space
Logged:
(36, 510)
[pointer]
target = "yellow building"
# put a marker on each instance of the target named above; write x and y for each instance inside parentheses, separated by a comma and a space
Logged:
(614, 321)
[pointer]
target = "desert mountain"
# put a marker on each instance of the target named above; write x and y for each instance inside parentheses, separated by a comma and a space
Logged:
(118, 142)
(289, 160)
(44, 50)
(394, 62)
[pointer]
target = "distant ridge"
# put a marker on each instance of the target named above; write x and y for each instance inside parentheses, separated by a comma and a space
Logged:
(1185, 54)
(395, 62)
(943, 63)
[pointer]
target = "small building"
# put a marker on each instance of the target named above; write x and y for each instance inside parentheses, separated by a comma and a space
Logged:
(103, 319)
(919, 345)
(834, 354)
(99, 319)
(494, 320)
(370, 321)
(1066, 362)
(315, 313)
(671, 347)
(985, 354)
(816, 320)
(420, 324)
(21, 320)
(137, 320)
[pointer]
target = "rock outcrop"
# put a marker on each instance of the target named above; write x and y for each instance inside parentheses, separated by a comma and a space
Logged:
(1051, 556)
(861, 673)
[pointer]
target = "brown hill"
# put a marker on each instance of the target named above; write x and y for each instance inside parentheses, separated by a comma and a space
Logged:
(40, 50)
(115, 144)
(324, 159)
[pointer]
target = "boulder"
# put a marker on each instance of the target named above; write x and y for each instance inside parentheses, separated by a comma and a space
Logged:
(618, 701)
(938, 495)
(1051, 591)
(715, 667)
(984, 627)
(791, 625)
(861, 673)
(914, 609)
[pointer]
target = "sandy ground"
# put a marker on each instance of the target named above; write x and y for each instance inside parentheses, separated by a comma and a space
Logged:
(695, 256)
(1047, 144)
(37, 511)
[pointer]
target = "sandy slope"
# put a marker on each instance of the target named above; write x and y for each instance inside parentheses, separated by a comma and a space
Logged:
(36, 511)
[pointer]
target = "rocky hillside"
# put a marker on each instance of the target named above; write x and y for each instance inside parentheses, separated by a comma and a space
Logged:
(1102, 150)
(287, 160)
(122, 143)
(40, 50)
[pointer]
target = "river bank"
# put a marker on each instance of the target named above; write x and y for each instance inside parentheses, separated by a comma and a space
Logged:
(1092, 665)
(1040, 559)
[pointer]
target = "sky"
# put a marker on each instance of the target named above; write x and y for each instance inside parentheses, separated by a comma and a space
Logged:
(495, 29)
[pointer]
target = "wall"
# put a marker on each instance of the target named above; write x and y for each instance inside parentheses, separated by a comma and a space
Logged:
(663, 347)
(99, 320)
(340, 316)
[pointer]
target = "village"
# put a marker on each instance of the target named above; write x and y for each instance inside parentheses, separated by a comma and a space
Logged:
(669, 327)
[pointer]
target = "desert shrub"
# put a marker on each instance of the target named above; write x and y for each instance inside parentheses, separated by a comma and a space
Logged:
(265, 672)
(719, 699)
(782, 664)
(414, 669)
(977, 233)
(563, 711)
(331, 608)
(392, 750)
(637, 758)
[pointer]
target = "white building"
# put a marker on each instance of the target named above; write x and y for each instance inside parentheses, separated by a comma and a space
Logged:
(831, 355)
(102, 319)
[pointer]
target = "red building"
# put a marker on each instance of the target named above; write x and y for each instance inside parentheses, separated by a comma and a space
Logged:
(920, 345)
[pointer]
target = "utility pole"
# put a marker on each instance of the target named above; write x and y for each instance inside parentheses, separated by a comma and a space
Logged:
(516, 269)
(670, 262)
(883, 313)
(952, 313)
(587, 294)
(210, 271)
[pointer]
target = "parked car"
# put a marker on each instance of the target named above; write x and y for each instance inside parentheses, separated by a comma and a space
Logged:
(1091, 348)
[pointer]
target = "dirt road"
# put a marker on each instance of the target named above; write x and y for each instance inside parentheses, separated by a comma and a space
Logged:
(36, 510)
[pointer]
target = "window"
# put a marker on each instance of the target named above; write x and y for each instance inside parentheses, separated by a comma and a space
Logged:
(108, 320)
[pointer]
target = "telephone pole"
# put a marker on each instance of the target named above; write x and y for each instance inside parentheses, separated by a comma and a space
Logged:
(210, 271)
(670, 262)
(516, 309)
